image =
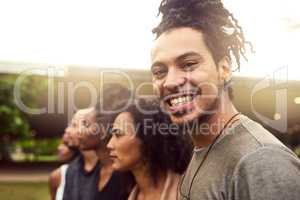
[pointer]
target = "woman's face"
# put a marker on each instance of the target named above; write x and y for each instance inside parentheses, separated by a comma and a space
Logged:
(125, 147)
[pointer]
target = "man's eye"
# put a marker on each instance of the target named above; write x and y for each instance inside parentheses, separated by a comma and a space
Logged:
(159, 72)
(189, 65)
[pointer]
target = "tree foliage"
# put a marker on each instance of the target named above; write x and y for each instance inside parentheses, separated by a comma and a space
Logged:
(13, 122)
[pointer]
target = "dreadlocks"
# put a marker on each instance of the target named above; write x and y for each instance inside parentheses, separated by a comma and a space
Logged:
(222, 33)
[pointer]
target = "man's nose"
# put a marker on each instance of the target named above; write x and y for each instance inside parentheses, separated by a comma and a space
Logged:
(174, 80)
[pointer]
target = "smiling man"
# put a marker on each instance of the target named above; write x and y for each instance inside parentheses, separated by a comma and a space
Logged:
(234, 157)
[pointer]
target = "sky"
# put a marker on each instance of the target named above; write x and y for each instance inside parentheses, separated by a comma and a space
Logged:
(118, 33)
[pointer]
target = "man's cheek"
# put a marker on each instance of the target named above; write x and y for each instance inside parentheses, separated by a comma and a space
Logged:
(157, 89)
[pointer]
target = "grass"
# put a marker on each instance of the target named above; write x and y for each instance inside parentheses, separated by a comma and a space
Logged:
(24, 191)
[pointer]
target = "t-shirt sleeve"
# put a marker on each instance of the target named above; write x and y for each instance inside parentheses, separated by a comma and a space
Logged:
(268, 173)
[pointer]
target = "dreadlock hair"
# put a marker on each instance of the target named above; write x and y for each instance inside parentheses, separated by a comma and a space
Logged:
(221, 31)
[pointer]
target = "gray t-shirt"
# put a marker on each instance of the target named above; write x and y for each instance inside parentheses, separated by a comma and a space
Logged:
(246, 162)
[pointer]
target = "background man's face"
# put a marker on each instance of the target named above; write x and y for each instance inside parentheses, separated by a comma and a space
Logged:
(185, 75)
(87, 129)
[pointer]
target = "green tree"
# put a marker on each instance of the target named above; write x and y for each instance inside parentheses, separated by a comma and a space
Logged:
(13, 122)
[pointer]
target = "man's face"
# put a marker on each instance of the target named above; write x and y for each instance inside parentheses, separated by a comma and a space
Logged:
(88, 131)
(185, 75)
(70, 136)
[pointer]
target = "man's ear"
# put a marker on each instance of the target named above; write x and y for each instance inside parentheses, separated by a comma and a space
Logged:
(224, 69)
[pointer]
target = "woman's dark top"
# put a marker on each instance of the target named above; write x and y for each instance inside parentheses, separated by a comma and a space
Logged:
(83, 185)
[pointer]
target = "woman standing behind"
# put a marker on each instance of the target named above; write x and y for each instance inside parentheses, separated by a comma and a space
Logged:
(143, 145)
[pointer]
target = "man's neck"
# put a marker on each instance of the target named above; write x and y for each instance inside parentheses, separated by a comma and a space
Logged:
(90, 159)
(214, 124)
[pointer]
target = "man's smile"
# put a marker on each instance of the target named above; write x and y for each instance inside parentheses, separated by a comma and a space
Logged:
(181, 102)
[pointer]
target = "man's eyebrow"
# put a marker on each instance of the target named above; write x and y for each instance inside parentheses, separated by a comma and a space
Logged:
(179, 58)
(188, 54)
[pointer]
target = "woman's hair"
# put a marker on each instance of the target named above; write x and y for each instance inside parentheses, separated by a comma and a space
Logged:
(162, 148)
(113, 94)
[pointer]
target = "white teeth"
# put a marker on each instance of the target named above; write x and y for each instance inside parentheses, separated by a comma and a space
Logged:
(181, 100)
(174, 101)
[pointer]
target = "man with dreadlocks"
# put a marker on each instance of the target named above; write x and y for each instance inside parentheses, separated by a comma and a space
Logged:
(234, 157)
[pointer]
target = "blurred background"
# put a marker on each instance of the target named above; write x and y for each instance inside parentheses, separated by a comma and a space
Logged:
(55, 54)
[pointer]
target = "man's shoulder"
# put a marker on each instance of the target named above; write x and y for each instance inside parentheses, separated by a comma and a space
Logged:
(246, 140)
(268, 157)
(256, 159)
(270, 171)
(248, 136)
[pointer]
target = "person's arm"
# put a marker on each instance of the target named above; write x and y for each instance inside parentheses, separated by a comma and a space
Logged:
(54, 181)
(266, 174)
